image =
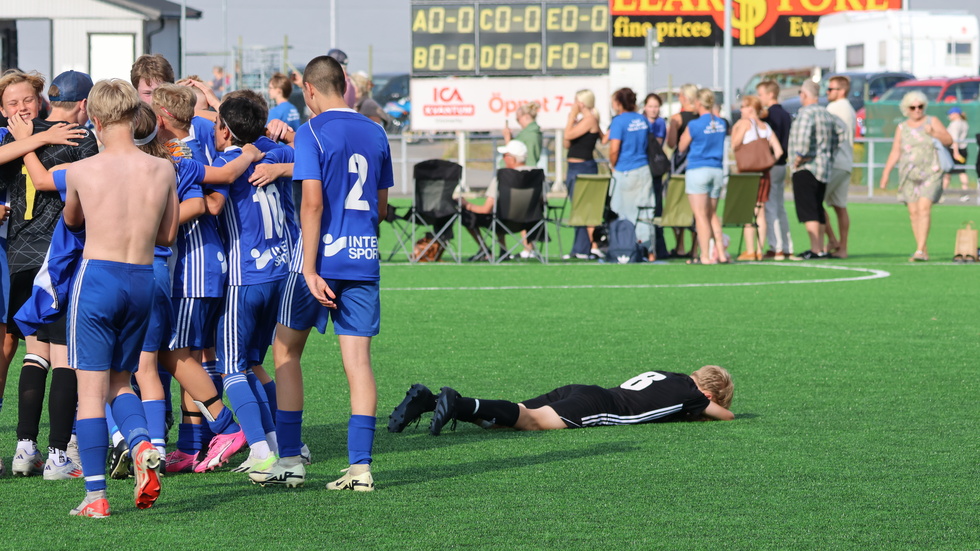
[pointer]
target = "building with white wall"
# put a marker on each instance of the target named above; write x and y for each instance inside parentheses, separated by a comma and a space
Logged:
(99, 37)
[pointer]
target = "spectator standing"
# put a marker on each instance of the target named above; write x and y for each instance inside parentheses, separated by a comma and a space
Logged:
(675, 128)
(582, 131)
(919, 175)
(777, 220)
(655, 141)
(279, 90)
(813, 141)
(840, 176)
(530, 133)
(704, 142)
(748, 129)
(632, 182)
(959, 129)
(350, 93)
(221, 82)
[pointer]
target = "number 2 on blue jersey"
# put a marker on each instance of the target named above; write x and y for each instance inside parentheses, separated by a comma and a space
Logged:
(357, 164)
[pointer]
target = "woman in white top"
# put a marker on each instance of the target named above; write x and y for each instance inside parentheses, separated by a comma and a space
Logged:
(748, 129)
(959, 129)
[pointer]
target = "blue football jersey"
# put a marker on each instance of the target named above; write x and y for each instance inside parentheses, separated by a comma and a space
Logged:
(348, 153)
(253, 225)
(202, 130)
(276, 153)
(199, 266)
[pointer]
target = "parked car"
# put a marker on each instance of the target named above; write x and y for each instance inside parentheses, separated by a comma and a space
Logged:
(789, 81)
(864, 87)
(390, 87)
(881, 117)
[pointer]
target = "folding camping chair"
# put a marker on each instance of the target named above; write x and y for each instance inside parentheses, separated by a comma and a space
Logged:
(520, 205)
(677, 211)
(434, 205)
(740, 203)
(400, 228)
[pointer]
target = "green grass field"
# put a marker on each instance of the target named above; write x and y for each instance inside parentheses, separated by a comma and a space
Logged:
(849, 433)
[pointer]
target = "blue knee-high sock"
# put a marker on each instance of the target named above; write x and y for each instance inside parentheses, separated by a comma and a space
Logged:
(289, 429)
(268, 424)
(270, 393)
(360, 438)
(165, 378)
(156, 411)
(223, 424)
(93, 444)
(212, 369)
(189, 438)
(128, 411)
(246, 407)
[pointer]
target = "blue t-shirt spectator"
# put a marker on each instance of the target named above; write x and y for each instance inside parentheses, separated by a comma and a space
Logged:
(707, 142)
(658, 129)
(287, 113)
(631, 129)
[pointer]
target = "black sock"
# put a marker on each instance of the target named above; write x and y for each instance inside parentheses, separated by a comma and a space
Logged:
(61, 406)
(498, 412)
(31, 390)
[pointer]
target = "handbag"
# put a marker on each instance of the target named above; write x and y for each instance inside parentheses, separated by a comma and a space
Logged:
(657, 159)
(945, 159)
(755, 156)
(966, 244)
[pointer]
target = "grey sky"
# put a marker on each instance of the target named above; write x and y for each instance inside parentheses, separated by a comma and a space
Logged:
(384, 26)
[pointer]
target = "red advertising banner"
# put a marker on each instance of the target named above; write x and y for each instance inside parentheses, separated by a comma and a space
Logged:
(754, 22)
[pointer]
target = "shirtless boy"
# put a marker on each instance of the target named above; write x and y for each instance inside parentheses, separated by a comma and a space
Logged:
(112, 292)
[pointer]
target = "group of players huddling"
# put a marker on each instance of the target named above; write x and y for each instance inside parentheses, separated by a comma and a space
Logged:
(176, 251)
(168, 245)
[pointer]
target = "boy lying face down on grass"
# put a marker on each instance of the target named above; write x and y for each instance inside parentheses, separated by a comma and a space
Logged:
(654, 396)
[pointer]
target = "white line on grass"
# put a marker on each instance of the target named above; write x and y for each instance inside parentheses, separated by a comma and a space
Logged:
(869, 274)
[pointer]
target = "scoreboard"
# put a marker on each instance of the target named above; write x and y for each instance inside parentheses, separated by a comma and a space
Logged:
(458, 38)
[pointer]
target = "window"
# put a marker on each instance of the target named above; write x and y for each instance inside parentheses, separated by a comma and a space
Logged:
(963, 91)
(959, 54)
(855, 56)
(110, 54)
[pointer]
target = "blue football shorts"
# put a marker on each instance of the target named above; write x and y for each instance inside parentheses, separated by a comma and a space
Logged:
(108, 315)
(195, 322)
(358, 311)
(246, 325)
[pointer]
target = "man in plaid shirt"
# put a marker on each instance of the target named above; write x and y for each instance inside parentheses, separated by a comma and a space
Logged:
(813, 139)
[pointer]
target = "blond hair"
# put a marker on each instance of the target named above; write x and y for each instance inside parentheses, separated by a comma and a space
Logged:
(913, 97)
(706, 98)
(755, 103)
(13, 76)
(718, 382)
(176, 103)
(530, 109)
(689, 92)
(113, 101)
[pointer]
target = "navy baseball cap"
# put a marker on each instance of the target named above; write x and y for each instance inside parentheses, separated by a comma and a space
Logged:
(72, 86)
(339, 55)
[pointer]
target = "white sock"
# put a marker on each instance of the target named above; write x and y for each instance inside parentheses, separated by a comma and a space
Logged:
(57, 456)
(260, 450)
(117, 437)
(273, 441)
(27, 446)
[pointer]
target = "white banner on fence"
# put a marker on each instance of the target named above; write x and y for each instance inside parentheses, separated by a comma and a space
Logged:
(477, 104)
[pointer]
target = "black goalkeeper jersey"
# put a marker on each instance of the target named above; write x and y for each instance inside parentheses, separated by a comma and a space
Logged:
(658, 396)
(33, 213)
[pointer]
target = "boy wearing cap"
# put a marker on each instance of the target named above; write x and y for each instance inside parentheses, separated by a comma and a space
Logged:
(34, 214)
(840, 176)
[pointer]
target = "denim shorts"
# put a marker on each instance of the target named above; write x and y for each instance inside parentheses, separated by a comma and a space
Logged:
(704, 181)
